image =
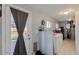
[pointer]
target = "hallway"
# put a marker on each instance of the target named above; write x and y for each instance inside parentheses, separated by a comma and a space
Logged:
(68, 47)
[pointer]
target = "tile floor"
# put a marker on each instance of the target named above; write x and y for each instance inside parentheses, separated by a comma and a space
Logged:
(68, 47)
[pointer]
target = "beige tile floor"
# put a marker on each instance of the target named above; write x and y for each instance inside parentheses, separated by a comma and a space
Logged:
(68, 47)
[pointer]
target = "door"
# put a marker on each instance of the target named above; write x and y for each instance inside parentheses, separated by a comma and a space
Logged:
(62, 30)
(18, 31)
(77, 31)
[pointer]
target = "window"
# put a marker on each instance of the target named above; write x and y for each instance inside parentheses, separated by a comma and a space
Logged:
(14, 33)
(48, 24)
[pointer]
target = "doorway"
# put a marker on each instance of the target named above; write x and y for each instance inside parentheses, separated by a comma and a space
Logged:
(18, 31)
(68, 43)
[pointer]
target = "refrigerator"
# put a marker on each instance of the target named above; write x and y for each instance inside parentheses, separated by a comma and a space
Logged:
(46, 42)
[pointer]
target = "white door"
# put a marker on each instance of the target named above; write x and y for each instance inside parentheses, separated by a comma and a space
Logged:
(12, 34)
(77, 31)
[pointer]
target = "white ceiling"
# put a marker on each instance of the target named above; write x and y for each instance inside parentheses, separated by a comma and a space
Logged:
(51, 10)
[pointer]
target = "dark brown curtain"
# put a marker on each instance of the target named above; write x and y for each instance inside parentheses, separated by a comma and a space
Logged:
(20, 21)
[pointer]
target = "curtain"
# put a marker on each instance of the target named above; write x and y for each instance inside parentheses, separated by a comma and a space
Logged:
(20, 19)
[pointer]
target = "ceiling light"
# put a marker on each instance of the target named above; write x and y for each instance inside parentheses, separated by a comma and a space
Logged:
(66, 13)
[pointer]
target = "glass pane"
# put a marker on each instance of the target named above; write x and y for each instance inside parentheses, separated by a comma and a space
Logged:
(14, 34)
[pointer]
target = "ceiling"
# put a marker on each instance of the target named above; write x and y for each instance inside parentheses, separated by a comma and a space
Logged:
(52, 10)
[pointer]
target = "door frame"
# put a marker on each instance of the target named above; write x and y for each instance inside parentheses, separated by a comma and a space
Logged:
(6, 25)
